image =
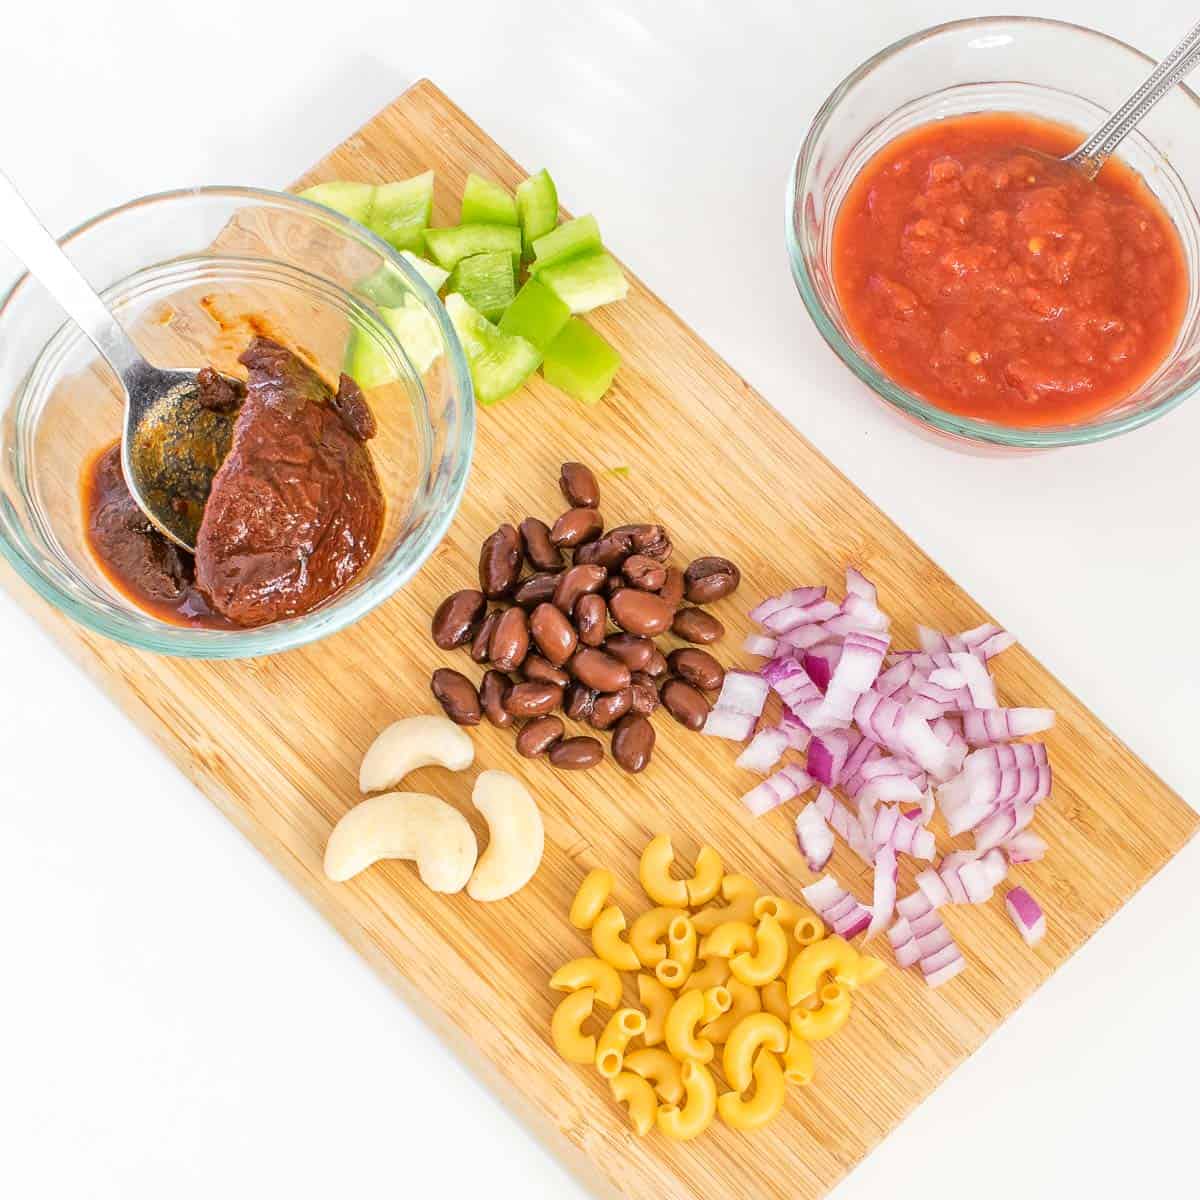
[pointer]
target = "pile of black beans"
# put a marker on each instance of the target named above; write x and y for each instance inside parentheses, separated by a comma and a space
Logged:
(550, 644)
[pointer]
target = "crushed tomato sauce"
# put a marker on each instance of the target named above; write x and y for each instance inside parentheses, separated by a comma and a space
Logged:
(1000, 286)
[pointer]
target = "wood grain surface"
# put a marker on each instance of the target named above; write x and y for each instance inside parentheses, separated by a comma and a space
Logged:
(275, 743)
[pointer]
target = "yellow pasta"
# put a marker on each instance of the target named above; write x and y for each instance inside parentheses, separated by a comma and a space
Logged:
(733, 937)
(657, 1001)
(764, 1105)
(654, 870)
(590, 899)
(680, 1030)
(714, 972)
(807, 930)
(869, 968)
(699, 1106)
(657, 1066)
(681, 943)
(798, 1061)
(816, 1023)
(623, 1026)
(648, 933)
(740, 892)
(769, 957)
(566, 1027)
(606, 940)
(706, 877)
(639, 1099)
(589, 972)
(748, 1037)
(671, 974)
(784, 911)
(774, 999)
(745, 1001)
(832, 954)
(717, 1002)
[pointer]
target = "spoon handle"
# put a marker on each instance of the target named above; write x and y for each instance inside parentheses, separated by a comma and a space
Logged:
(1178, 64)
(33, 244)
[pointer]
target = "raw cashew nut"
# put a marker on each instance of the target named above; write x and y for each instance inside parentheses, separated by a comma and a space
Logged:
(404, 825)
(517, 836)
(414, 742)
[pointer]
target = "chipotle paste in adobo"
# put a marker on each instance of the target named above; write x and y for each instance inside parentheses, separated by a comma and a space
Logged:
(295, 511)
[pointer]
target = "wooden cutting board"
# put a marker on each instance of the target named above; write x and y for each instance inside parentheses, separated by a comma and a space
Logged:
(276, 743)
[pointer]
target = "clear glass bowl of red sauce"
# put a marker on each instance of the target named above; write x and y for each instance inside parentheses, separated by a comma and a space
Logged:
(972, 286)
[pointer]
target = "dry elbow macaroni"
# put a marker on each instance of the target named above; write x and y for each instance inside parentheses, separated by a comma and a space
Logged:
(755, 975)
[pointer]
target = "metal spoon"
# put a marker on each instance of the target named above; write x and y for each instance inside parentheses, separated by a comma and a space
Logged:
(171, 445)
(1094, 153)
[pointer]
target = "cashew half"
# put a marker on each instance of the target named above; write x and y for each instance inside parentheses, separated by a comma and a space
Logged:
(517, 836)
(407, 825)
(414, 742)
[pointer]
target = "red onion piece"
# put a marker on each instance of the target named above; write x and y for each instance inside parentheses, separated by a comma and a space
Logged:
(814, 837)
(982, 727)
(883, 901)
(1026, 915)
(862, 656)
(904, 945)
(1024, 847)
(725, 723)
(827, 754)
(764, 751)
(933, 888)
(914, 906)
(792, 616)
(756, 643)
(857, 584)
(798, 597)
(786, 784)
(819, 664)
(944, 967)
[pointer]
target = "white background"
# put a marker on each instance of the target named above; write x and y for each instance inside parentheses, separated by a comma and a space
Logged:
(174, 1019)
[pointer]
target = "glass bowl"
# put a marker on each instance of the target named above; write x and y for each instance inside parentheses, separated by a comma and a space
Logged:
(193, 275)
(1063, 72)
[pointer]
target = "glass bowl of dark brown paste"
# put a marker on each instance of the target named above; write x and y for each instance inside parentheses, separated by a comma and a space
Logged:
(334, 489)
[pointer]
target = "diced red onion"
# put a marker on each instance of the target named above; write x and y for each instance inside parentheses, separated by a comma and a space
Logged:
(844, 823)
(996, 865)
(803, 638)
(795, 730)
(827, 754)
(837, 907)
(766, 748)
(944, 967)
(883, 901)
(854, 923)
(975, 881)
(982, 727)
(1026, 915)
(798, 597)
(743, 691)
(786, 784)
(814, 837)
(933, 888)
(935, 942)
(864, 613)
(924, 925)
(756, 643)
(791, 683)
(725, 723)
(1003, 826)
(857, 584)
(820, 663)
(1024, 847)
(862, 656)
(894, 678)
(914, 906)
(904, 945)
(823, 894)
(792, 616)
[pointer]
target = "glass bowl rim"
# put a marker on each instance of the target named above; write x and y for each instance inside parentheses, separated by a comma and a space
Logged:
(908, 402)
(183, 641)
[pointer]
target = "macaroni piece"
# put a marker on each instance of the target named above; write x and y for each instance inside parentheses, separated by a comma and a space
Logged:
(639, 1099)
(769, 957)
(706, 877)
(774, 1000)
(717, 1002)
(798, 1061)
(681, 939)
(566, 1027)
(624, 1025)
(751, 1034)
(660, 1069)
(784, 911)
(671, 974)
(648, 931)
(745, 1001)
(606, 940)
(733, 937)
(699, 1107)
(714, 972)
(869, 968)
(657, 1001)
(654, 870)
(740, 893)
(833, 954)
(589, 972)
(591, 897)
(807, 930)
(764, 1105)
(814, 1024)
(686, 1013)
